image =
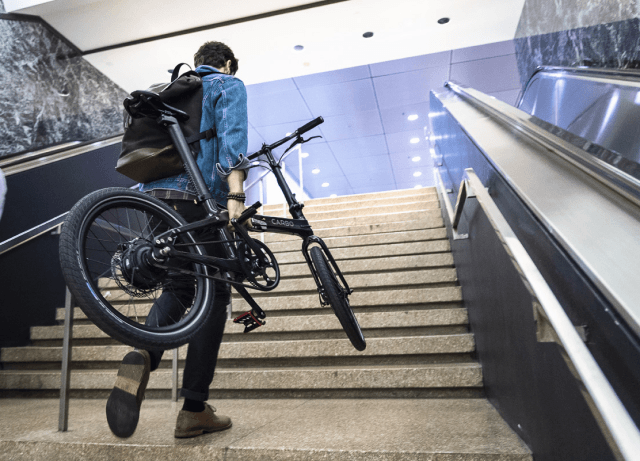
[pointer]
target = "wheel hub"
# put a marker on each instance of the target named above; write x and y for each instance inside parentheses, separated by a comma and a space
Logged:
(136, 268)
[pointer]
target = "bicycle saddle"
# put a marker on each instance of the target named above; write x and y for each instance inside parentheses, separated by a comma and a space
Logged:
(143, 103)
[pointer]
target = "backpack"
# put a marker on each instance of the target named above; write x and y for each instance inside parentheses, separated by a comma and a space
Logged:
(147, 150)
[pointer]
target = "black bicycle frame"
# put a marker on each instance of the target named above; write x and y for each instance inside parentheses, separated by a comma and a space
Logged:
(297, 226)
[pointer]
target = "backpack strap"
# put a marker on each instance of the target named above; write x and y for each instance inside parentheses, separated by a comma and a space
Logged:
(176, 70)
(210, 133)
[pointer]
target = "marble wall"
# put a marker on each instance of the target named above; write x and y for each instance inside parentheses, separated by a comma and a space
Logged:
(48, 94)
(598, 33)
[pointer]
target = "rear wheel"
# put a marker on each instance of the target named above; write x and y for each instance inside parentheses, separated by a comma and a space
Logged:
(334, 294)
(106, 249)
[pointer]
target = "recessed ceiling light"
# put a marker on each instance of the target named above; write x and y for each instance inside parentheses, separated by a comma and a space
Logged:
(333, 195)
(416, 158)
(367, 34)
(443, 20)
(298, 47)
(325, 184)
(412, 117)
(417, 173)
(304, 154)
(288, 134)
(315, 170)
(414, 140)
(417, 186)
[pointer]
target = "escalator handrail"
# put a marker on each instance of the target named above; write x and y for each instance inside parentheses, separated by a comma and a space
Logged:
(626, 75)
(617, 180)
(619, 429)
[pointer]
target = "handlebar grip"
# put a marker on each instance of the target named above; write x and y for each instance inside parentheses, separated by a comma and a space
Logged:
(249, 212)
(312, 124)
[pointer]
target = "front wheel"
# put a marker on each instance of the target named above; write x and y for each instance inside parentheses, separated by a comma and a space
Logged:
(333, 293)
(106, 248)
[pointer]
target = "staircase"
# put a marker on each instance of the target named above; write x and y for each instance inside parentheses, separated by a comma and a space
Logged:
(394, 252)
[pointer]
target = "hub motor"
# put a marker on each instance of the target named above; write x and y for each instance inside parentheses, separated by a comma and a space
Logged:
(132, 270)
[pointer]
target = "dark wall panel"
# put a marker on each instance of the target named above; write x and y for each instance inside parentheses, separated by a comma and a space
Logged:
(32, 284)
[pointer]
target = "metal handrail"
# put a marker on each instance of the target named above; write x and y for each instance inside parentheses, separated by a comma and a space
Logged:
(32, 233)
(34, 160)
(619, 429)
(617, 180)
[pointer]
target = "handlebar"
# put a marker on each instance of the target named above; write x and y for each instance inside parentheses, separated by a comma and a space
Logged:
(303, 129)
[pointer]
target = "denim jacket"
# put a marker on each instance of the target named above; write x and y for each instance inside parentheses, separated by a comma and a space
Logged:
(224, 106)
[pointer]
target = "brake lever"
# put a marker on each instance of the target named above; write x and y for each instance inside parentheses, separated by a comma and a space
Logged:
(299, 140)
(302, 140)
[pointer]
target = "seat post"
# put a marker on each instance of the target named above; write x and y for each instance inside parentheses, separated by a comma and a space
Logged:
(202, 191)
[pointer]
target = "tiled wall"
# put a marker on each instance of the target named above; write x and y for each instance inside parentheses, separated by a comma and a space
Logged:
(48, 96)
(600, 33)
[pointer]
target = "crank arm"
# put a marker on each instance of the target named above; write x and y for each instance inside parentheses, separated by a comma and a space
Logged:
(251, 319)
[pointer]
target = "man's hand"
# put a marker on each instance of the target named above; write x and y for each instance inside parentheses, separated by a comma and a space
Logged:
(235, 207)
(235, 210)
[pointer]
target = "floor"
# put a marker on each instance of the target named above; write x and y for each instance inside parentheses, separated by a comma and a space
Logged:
(295, 429)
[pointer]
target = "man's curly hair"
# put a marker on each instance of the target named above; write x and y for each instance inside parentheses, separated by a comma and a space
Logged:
(215, 54)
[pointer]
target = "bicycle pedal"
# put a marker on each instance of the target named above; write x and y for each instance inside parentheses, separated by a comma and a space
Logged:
(250, 321)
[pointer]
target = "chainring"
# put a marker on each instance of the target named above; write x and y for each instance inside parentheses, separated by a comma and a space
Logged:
(261, 270)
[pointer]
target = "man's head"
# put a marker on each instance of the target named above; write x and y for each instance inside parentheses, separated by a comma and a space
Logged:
(218, 55)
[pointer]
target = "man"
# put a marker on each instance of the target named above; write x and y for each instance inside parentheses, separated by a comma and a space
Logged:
(223, 165)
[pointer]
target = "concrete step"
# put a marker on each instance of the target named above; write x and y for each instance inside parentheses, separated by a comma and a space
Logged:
(364, 198)
(386, 264)
(297, 324)
(361, 301)
(366, 228)
(373, 251)
(311, 207)
(363, 378)
(434, 216)
(366, 209)
(409, 279)
(275, 430)
(404, 278)
(366, 240)
(265, 350)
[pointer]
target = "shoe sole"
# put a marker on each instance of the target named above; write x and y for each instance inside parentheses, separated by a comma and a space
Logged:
(195, 433)
(123, 405)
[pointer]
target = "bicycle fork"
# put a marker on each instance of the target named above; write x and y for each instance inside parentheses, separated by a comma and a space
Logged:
(305, 251)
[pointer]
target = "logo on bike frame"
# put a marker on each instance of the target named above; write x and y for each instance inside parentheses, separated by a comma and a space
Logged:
(280, 222)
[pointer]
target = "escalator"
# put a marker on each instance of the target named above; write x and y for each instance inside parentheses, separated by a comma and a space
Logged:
(41, 187)
(548, 195)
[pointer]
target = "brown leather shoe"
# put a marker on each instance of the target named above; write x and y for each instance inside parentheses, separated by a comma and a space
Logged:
(123, 406)
(190, 423)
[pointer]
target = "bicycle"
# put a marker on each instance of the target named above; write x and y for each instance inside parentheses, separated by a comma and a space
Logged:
(119, 247)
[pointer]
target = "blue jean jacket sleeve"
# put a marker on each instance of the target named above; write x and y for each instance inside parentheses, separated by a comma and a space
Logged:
(232, 127)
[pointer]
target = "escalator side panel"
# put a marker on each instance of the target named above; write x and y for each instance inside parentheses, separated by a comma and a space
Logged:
(529, 382)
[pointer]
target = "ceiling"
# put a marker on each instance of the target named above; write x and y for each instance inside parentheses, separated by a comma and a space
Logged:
(365, 88)
(368, 143)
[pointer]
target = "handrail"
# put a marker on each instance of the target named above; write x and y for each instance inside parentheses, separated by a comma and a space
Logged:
(620, 431)
(36, 159)
(32, 233)
(617, 180)
(21, 157)
(628, 75)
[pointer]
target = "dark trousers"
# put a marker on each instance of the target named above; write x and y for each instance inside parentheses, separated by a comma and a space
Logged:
(202, 353)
